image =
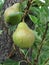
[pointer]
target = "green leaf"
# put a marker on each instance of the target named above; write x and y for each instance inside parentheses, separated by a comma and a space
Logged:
(34, 19)
(12, 28)
(47, 2)
(1, 32)
(1, 3)
(10, 62)
(35, 10)
(22, 51)
(38, 37)
(44, 55)
(23, 5)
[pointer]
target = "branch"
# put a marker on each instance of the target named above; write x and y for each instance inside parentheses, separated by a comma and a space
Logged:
(44, 35)
(20, 55)
(46, 61)
(29, 53)
(27, 9)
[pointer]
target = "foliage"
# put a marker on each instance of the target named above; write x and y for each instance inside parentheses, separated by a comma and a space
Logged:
(1, 3)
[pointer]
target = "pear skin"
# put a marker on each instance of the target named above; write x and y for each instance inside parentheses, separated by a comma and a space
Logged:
(13, 14)
(23, 36)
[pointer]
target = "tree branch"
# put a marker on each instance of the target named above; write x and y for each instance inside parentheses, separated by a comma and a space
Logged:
(27, 9)
(46, 61)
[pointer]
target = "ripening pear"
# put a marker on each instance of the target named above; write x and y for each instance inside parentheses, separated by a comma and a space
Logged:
(23, 36)
(13, 14)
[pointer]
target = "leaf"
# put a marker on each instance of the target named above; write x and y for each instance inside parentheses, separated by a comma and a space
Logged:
(1, 32)
(44, 55)
(22, 51)
(47, 2)
(12, 28)
(35, 10)
(38, 37)
(10, 62)
(34, 19)
(42, 1)
(1, 3)
(23, 5)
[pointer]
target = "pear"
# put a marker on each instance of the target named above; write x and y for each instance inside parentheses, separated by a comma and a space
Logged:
(23, 36)
(13, 14)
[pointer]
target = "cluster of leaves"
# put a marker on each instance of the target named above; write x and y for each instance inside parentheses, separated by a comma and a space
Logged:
(41, 16)
(40, 19)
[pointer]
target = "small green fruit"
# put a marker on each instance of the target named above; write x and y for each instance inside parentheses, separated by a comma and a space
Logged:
(13, 14)
(23, 37)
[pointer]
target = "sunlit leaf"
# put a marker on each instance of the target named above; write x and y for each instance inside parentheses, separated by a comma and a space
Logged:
(1, 3)
(34, 19)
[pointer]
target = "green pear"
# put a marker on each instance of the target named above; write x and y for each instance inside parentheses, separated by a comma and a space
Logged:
(23, 36)
(13, 14)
